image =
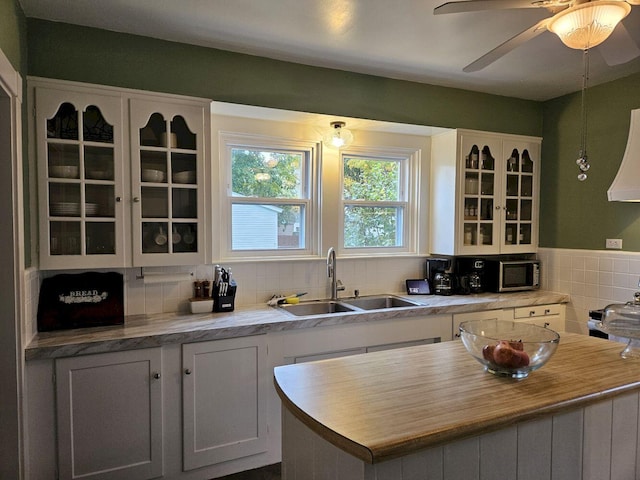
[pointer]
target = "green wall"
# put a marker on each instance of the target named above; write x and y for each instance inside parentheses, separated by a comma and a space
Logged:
(13, 30)
(13, 43)
(64, 51)
(577, 214)
(572, 215)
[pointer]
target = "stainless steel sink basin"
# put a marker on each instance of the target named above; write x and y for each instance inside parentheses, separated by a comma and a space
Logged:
(377, 302)
(316, 308)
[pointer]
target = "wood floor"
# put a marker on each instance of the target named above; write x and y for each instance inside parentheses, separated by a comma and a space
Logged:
(270, 472)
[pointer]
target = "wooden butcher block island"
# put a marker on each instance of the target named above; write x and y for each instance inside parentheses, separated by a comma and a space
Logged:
(431, 411)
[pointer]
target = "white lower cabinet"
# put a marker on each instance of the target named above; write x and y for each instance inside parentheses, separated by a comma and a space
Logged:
(224, 385)
(321, 343)
(551, 316)
(199, 410)
(109, 415)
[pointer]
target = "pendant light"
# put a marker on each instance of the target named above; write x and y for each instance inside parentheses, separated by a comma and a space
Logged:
(338, 136)
(582, 161)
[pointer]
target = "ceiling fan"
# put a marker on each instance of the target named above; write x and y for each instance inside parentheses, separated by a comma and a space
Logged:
(580, 24)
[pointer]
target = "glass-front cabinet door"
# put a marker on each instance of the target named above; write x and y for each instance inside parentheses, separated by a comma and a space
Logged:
(80, 148)
(167, 183)
(520, 166)
(480, 187)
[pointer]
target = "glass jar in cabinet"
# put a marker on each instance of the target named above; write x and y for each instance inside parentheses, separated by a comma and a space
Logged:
(79, 142)
(167, 183)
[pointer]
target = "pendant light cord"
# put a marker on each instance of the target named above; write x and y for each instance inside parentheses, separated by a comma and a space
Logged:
(583, 119)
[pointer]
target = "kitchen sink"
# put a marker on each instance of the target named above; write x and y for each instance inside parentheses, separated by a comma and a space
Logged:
(322, 307)
(316, 308)
(379, 302)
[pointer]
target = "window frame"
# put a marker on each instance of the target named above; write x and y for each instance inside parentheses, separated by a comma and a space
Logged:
(310, 188)
(410, 164)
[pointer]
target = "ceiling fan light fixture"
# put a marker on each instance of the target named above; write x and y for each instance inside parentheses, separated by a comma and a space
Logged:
(588, 24)
(338, 136)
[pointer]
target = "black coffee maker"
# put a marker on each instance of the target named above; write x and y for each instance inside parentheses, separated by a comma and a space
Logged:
(470, 275)
(440, 276)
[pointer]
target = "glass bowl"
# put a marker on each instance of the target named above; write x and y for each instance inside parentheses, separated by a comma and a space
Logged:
(508, 349)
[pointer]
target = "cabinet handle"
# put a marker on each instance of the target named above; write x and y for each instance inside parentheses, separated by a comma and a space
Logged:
(156, 376)
(118, 199)
(187, 371)
(136, 199)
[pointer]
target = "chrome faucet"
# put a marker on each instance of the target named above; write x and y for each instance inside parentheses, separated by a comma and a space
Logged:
(336, 285)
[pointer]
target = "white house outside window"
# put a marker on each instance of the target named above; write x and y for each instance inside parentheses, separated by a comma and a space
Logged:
(269, 196)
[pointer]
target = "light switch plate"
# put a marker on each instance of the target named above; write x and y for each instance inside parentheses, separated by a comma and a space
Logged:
(614, 243)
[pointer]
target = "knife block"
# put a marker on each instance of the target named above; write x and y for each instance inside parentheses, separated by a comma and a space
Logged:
(224, 302)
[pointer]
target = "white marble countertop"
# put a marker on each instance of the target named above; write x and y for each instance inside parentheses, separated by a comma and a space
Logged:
(143, 331)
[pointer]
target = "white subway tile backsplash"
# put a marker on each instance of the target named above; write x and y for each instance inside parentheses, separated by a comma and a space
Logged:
(591, 277)
(598, 278)
(606, 264)
(605, 278)
(620, 280)
(591, 263)
(621, 265)
(578, 263)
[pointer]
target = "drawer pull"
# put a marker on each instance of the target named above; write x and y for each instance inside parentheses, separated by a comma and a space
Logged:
(532, 313)
(156, 376)
(547, 311)
(187, 371)
(546, 324)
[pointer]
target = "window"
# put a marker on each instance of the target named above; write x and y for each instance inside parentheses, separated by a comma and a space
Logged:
(375, 200)
(269, 196)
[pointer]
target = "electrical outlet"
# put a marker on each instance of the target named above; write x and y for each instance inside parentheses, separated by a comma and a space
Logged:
(614, 243)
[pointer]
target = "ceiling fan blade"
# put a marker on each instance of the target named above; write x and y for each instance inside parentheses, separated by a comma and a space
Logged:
(506, 47)
(619, 48)
(478, 5)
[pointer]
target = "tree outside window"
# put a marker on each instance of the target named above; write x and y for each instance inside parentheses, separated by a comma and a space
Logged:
(373, 202)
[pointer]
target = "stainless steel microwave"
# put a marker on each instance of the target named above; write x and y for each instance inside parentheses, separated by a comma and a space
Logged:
(511, 275)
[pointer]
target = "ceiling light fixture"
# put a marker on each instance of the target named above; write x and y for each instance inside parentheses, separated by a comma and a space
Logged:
(588, 24)
(338, 136)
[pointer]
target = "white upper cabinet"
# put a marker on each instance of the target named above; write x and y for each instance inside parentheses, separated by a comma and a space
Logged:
(484, 193)
(120, 177)
(79, 139)
(167, 183)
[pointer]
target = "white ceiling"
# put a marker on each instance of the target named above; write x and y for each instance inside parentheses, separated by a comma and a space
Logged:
(393, 38)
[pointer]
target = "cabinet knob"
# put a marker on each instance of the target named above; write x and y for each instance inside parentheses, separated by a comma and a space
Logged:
(136, 199)
(546, 324)
(532, 313)
(547, 311)
(187, 371)
(156, 375)
(118, 199)
(498, 207)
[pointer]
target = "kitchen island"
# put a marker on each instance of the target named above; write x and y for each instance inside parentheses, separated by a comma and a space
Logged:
(431, 412)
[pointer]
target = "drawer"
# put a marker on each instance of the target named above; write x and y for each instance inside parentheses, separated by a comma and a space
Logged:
(537, 311)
